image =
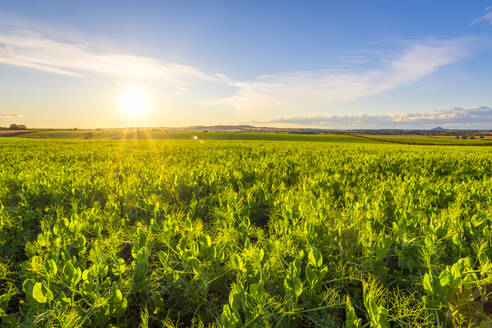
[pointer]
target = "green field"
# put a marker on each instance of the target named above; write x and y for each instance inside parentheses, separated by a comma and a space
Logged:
(156, 134)
(257, 233)
(171, 135)
(430, 140)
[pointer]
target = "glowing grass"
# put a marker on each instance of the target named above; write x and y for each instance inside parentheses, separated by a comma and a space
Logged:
(225, 233)
(135, 133)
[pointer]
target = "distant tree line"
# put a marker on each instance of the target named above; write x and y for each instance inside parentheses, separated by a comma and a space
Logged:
(469, 136)
(15, 127)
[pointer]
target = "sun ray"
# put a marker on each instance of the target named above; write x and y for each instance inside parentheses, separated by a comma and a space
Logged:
(134, 103)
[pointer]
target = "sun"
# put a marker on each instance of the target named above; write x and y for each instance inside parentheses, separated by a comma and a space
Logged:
(133, 102)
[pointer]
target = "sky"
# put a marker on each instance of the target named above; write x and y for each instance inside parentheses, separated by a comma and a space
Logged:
(328, 64)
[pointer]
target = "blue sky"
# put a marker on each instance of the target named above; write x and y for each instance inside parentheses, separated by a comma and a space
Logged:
(349, 64)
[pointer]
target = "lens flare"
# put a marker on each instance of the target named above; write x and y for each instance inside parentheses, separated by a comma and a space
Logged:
(133, 102)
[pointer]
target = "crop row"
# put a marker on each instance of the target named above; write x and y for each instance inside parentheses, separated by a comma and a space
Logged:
(231, 234)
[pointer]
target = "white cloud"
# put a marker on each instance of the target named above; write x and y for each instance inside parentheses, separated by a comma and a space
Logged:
(486, 17)
(31, 50)
(289, 93)
(314, 89)
(472, 118)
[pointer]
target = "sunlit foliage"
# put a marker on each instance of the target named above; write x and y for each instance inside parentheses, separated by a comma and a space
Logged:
(244, 234)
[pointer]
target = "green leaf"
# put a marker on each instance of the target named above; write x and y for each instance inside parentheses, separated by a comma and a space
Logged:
(382, 318)
(236, 299)
(86, 275)
(427, 284)
(66, 300)
(237, 262)
(312, 276)
(315, 258)
(293, 287)
(71, 273)
(119, 267)
(118, 296)
(51, 267)
(68, 270)
(81, 241)
(445, 278)
(27, 286)
(456, 239)
(195, 265)
(207, 241)
(457, 269)
(228, 318)
(41, 293)
(255, 288)
(351, 320)
(4, 301)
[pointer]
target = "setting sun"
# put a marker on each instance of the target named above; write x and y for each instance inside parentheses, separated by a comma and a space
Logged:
(133, 102)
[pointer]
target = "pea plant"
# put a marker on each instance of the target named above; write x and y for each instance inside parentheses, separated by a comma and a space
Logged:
(167, 233)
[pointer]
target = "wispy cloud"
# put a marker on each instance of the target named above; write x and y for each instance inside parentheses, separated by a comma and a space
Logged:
(487, 17)
(32, 50)
(288, 93)
(315, 89)
(8, 114)
(472, 118)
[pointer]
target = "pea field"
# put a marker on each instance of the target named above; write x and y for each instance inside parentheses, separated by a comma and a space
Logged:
(244, 233)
